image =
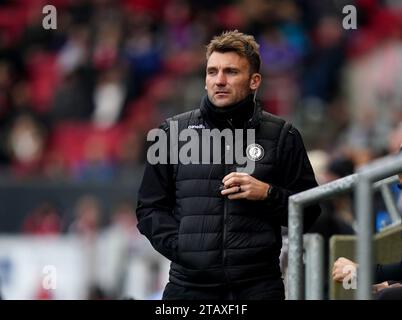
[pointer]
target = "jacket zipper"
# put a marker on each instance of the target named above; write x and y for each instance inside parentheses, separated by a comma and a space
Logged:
(224, 253)
(225, 209)
(225, 213)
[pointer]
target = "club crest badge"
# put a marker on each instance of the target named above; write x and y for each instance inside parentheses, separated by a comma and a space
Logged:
(255, 152)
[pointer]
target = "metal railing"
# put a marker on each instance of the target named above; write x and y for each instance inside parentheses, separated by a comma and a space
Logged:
(314, 252)
(363, 181)
(368, 174)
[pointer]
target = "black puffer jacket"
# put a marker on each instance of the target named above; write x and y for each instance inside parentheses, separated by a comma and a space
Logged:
(214, 241)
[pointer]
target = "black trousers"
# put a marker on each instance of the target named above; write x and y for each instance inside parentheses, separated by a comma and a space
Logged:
(257, 290)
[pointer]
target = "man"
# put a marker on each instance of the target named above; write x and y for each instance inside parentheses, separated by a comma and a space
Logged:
(221, 228)
(387, 276)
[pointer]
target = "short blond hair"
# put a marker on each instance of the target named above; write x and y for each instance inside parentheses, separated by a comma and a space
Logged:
(242, 44)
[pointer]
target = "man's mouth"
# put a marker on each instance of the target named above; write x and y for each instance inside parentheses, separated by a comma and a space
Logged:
(221, 93)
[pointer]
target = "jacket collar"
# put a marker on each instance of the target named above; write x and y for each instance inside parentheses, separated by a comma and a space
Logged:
(245, 114)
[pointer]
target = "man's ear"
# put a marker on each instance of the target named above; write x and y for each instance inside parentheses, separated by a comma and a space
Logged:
(255, 81)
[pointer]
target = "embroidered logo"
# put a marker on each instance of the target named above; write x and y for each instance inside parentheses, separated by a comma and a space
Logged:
(255, 152)
(196, 126)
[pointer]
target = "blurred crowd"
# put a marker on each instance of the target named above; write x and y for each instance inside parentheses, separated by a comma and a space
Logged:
(77, 102)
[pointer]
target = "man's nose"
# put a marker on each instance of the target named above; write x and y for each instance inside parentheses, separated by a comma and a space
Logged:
(221, 79)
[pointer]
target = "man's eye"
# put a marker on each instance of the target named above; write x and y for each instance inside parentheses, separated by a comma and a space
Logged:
(233, 72)
(211, 72)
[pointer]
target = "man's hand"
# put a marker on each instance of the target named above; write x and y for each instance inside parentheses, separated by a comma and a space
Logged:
(379, 286)
(384, 285)
(239, 185)
(342, 268)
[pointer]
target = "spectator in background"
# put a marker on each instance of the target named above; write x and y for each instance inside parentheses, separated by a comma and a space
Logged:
(120, 242)
(319, 161)
(388, 278)
(86, 225)
(72, 100)
(26, 143)
(96, 164)
(337, 214)
(394, 139)
(18, 106)
(44, 220)
(130, 151)
(88, 217)
(340, 216)
(340, 167)
(109, 97)
(123, 216)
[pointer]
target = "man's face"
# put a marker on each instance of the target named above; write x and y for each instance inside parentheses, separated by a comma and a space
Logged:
(228, 79)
